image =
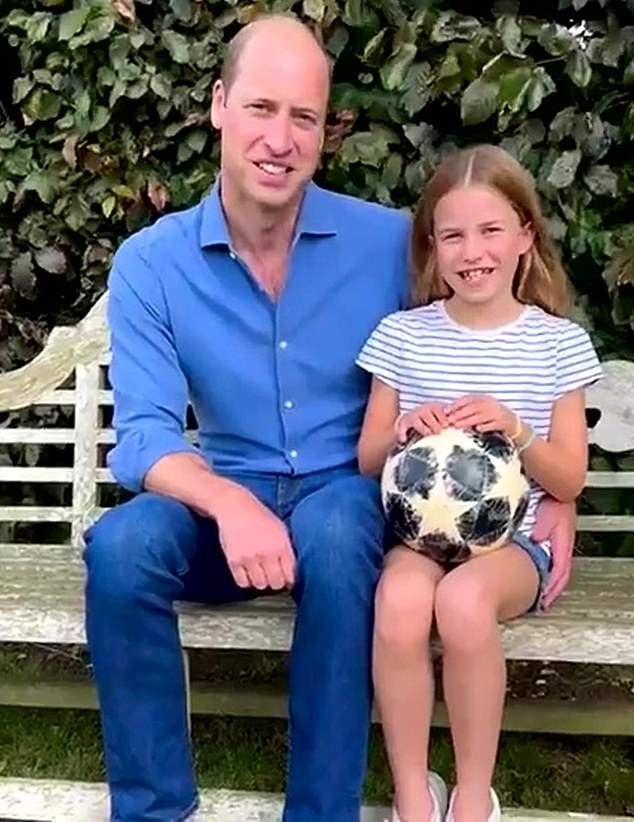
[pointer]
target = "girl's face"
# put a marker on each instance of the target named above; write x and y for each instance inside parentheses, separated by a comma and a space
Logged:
(478, 240)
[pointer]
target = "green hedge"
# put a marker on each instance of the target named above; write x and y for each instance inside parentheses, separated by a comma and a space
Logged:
(105, 124)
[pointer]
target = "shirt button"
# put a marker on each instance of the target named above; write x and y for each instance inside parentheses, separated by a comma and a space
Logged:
(232, 255)
(288, 404)
(293, 453)
(283, 344)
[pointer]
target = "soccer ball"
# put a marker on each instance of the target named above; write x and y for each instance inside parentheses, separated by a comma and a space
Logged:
(456, 494)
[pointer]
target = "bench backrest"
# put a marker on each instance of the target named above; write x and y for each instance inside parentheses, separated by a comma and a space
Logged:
(81, 354)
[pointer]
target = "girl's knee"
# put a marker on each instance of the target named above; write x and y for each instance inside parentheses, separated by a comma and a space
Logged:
(465, 615)
(403, 610)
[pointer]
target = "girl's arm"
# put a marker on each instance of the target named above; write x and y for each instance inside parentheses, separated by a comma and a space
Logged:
(559, 464)
(378, 433)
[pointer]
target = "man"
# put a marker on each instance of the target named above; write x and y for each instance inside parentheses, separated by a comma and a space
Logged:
(253, 305)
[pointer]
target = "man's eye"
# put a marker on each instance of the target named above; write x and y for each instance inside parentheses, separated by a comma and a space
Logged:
(492, 229)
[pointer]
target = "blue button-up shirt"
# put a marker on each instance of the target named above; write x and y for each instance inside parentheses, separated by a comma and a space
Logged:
(273, 384)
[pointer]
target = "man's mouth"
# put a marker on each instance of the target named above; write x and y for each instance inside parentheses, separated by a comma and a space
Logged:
(472, 275)
(274, 169)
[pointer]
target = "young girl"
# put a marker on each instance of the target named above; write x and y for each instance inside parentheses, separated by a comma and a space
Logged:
(488, 348)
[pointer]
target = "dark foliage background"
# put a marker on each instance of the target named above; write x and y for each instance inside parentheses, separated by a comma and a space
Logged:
(104, 125)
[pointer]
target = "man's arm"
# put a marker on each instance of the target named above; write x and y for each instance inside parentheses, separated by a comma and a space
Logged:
(556, 522)
(152, 451)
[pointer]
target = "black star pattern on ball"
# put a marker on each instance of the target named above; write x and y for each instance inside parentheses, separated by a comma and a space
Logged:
(416, 471)
(468, 474)
(487, 522)
(439, 547)
(403, 520)
(494, 443)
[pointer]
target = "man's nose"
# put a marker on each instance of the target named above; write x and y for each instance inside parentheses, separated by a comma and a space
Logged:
(278, 135)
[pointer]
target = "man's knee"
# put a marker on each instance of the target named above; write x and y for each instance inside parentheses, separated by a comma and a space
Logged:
(136, 542)
(338, 532)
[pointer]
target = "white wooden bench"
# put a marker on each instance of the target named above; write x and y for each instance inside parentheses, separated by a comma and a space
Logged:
(41, 584)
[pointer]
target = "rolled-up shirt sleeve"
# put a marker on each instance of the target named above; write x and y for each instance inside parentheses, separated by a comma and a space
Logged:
(149, 386)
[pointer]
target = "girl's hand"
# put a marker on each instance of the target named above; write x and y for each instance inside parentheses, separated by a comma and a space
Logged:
(483, 413)
(429, 418)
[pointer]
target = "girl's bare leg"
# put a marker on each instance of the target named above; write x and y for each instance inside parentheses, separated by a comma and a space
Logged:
(470, 601)
(403, 675)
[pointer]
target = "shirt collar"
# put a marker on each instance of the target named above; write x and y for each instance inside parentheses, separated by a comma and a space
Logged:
(315, 216)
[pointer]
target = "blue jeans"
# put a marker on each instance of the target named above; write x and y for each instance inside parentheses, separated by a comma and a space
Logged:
(146, 553)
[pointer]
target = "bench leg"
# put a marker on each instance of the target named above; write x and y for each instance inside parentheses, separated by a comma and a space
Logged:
(187, 689)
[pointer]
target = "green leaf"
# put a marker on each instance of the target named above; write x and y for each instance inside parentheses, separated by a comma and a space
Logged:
(374, 47)
(557, 40)
(564, 169)
(183, 9)
(420, 135)
(51, 260)
(417, 88)
(514, 87)
(510, 33)
(21, 87)
(628, 74)
(337, 41)
(197, 139)
(541, 86)
(72, 22)
(371, 148)
(479, 101)
(578, 68)
(42, 105)
(108, 205)
(22, 275)
(452, 26)
(393, 72)
(45, 184)
(314, 9)
(37, 26)
(177, 45)
(18, 162)
(562, 124)
(602, 181)
(161, 85)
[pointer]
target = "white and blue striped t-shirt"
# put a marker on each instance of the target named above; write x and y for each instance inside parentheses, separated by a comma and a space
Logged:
(527, 365)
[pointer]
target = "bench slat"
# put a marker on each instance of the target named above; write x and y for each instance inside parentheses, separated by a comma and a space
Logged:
(44, 436)
(65, 801)
(41, 601)
(605, 523)
(34, 513)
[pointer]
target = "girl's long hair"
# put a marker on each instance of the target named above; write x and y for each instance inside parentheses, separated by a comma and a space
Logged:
(540, 278)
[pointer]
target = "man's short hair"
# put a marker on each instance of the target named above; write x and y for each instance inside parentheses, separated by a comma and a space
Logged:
(238, 42)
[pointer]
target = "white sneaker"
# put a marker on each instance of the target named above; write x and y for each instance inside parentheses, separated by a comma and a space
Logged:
(438, 793)
(494, 816)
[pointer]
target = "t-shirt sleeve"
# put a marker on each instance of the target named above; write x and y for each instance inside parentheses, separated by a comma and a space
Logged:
(577, 362)
(381, 354)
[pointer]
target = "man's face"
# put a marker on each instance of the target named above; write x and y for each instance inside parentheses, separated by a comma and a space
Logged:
(272, 117)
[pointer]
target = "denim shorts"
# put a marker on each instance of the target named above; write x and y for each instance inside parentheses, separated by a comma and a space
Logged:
(542, 560)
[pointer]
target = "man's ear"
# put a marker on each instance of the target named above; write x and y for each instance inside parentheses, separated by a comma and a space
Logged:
(218, 98)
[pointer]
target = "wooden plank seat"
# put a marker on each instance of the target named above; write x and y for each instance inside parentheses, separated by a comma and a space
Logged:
(41, 584)
(41, 601)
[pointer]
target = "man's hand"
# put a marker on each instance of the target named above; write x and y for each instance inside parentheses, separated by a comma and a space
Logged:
(556, 522)
(256, 544)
